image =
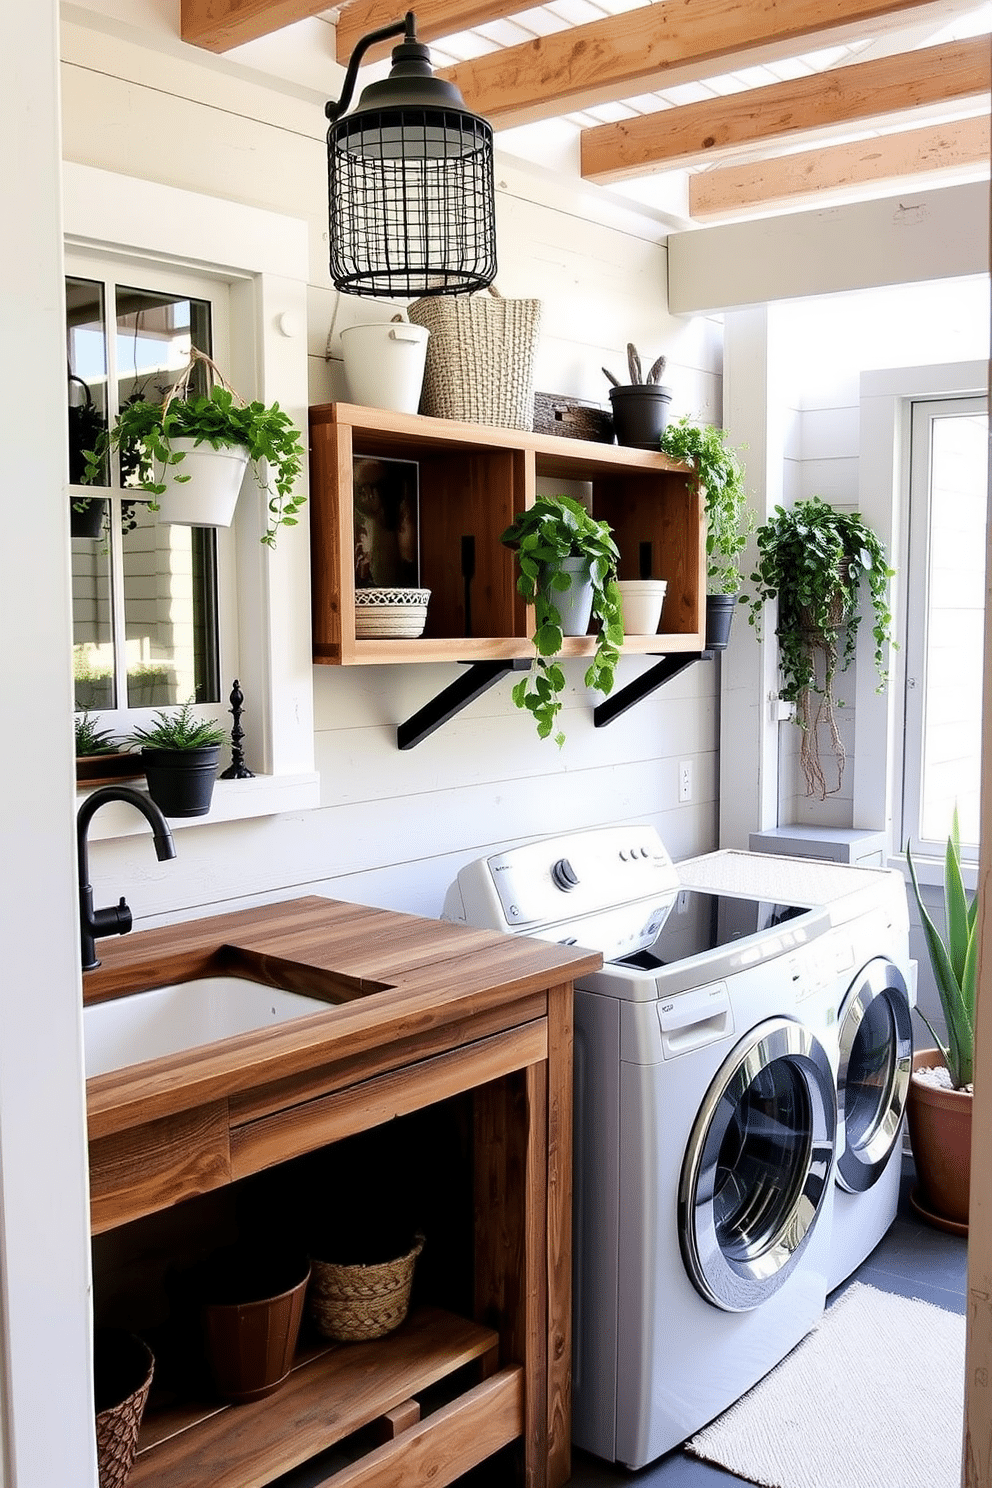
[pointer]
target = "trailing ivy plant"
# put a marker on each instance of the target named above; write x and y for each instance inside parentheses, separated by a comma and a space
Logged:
(729, 522)
(555, 528)
(143, 432)
(818, 562)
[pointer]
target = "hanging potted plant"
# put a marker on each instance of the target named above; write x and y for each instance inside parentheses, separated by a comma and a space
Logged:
(87, 515)
(729, 522)
(817, 562)
(179, 753)
(567, 564)
(940, 1091)
(190, 452)
(640, 407)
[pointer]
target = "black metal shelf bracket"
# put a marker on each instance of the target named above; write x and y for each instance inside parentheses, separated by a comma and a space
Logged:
(648, 682)
(481, 675)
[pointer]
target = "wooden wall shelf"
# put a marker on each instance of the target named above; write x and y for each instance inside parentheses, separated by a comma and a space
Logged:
(472, 480)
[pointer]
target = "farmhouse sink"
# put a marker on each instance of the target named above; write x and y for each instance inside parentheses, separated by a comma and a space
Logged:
(168, 1020)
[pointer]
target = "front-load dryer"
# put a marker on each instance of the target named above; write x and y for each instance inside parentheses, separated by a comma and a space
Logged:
(876, 992)
(705, 1119)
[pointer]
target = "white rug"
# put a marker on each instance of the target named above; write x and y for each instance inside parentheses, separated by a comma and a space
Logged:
(874, 1398)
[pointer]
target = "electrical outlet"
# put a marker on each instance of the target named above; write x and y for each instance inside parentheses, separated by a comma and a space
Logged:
(685, 781)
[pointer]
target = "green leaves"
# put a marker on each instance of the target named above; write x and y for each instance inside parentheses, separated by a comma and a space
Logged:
(729, 523)
(555, 528)
(143, 432)
(954, 961)
(179, 730)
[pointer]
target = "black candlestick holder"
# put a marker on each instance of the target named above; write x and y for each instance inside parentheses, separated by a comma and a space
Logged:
(237, 769)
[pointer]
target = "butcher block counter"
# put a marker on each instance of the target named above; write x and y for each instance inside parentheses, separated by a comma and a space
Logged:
(408, 1013)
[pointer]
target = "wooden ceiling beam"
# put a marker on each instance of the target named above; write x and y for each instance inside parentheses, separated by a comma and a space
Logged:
(659, 45)
(219, 25)
(952, 73)
(434, 18)
(796, 180)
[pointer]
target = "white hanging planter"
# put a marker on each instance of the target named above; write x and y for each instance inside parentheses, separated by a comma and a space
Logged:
(202, 489)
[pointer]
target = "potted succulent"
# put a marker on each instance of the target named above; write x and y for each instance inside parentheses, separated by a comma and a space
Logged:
(817, 562)
(567, 564)
(729, 522)
(940, 1091)
(192, 450)
(99, 756)
(179, 753)
(640, 407)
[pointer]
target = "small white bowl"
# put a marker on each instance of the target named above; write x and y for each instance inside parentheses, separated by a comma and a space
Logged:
(642, 601)
(390, 613)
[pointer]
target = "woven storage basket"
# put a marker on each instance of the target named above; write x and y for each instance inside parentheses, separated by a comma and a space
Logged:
(353, 1303)
(480, 358)
(572, 418)
(123, 1362)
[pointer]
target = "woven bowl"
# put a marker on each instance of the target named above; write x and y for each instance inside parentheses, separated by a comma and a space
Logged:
(123, 1368)
(354, 1303)
(391, 612)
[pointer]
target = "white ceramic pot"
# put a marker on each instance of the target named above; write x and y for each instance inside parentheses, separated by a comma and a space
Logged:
(202, 490)
(574, 604)
(642, 601)
(384, 364)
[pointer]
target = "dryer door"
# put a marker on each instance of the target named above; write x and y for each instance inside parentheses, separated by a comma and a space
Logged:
(757, 1167)
(876, 1057)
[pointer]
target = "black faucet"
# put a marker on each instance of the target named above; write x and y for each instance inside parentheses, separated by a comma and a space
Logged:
(117, 920)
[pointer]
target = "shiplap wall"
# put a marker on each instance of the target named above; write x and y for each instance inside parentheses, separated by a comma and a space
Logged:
(394, 828)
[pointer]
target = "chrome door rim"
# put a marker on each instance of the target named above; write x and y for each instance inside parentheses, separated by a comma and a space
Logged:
(731, 1283)
(861, 1165)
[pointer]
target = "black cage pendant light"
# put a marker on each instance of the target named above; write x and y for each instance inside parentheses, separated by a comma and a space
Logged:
(410, 181)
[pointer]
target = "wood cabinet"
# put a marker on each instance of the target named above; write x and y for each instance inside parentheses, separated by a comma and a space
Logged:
(413, 1013)
(472, 480)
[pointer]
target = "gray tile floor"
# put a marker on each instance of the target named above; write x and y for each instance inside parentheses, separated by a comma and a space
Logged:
(914, 1260)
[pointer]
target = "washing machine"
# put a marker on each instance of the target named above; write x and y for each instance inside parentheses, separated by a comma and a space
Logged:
(876, 991)
(705, 1119)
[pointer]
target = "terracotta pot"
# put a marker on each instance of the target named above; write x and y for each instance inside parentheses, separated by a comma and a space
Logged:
(940, 1133)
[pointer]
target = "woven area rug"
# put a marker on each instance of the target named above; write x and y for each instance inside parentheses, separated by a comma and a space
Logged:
(874, 1398)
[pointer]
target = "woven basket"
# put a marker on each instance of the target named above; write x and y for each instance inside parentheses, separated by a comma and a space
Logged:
(480, 358)
(353, 1303)
(571, 418)
(122, 1362)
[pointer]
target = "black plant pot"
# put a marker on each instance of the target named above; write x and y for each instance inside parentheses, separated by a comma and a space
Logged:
(640, 414)
(181, 781)
(89, 521)
(719, 619)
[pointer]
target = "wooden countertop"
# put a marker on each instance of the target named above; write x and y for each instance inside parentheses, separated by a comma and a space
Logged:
(387, 978)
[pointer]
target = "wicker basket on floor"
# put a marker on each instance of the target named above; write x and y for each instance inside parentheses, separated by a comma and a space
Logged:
(354, 1303)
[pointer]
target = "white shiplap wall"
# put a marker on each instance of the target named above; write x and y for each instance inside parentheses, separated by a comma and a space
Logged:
(393, 828)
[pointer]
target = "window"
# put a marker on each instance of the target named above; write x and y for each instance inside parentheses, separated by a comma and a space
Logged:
(945, 619)
(146, 620)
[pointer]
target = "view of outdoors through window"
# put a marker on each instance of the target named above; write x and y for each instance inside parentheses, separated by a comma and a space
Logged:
(145, 628)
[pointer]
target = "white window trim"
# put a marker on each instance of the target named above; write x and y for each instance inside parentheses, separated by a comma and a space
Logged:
(265, 258)
(886, 399)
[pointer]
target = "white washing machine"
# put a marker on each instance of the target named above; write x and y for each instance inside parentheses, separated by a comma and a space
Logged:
(705, 1116)
(876, 990)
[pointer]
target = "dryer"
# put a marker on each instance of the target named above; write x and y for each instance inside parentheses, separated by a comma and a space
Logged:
(876, 990)
(705, 1117)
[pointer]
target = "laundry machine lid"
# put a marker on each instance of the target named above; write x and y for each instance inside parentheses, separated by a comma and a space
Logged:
(876, 1057)
(756, 1171)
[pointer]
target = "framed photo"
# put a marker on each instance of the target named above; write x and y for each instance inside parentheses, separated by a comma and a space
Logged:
(387, 539)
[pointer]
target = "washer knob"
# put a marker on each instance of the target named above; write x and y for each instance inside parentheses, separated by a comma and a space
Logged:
(564, 875)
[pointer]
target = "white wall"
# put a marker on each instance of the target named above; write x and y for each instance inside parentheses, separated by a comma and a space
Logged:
(393, 828)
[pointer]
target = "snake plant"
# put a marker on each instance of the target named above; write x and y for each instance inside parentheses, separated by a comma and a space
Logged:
(954, 960)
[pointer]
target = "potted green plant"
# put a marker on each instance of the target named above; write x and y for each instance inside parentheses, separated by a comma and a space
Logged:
(818, 562)
(729, 521)
(940, 1091)
(561, 549)
(99, 756)
(192, 450)
(179, 753)
(640, 407)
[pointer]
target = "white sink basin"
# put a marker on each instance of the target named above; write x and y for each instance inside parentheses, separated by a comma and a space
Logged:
(167, 1020)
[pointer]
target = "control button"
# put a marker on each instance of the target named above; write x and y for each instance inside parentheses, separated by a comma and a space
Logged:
(644, 852)
(564, 875)
(623, 855)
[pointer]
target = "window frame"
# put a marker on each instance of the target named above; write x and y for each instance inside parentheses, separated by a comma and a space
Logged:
(263, 257)
(883, 465)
